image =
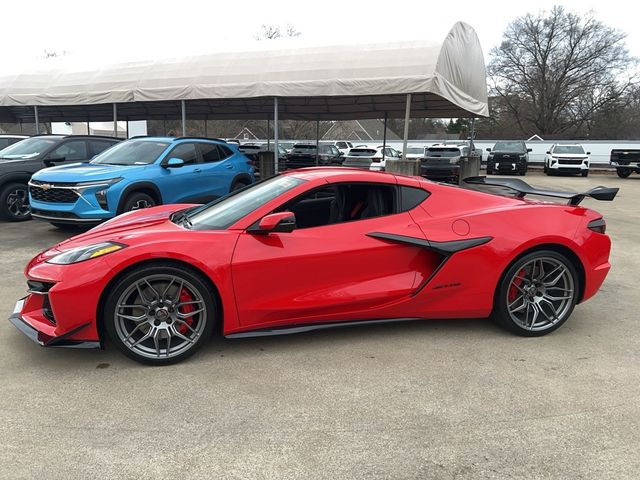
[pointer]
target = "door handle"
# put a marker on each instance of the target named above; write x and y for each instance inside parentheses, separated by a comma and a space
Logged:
(229, 167)
(197, 170)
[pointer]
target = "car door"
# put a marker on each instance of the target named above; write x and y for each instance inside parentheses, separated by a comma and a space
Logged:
(329, 269)
(185, 183)
(218, 170)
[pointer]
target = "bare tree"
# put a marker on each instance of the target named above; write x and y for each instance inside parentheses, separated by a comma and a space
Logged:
(554, 70)
(270, 32)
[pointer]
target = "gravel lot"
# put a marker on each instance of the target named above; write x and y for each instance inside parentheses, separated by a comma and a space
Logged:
(424, 400)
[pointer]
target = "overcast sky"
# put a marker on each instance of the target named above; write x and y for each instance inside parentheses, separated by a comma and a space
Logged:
(110, 31)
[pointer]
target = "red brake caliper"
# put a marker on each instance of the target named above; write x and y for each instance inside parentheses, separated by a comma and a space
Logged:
(185, 296)
(513, 290)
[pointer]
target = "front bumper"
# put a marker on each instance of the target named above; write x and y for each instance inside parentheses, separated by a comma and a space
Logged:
(46, 339)
(507, 165)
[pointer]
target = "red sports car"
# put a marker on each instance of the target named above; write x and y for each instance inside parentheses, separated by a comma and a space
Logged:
(317, 248)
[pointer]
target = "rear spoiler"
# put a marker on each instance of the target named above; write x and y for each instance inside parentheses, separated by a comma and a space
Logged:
(523, 188)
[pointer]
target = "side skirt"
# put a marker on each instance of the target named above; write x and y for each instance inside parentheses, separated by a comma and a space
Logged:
(268, 332)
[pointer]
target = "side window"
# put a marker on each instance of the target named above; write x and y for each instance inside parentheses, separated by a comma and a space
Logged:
(210, 152)
(340, 203)
(72, 150)
(341, 145)
(186, 152)
(226, 152)
(335, 151)
(99, 146)
(411, 197)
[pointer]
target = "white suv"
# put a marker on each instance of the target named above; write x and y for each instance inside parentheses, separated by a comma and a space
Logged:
(567, 158)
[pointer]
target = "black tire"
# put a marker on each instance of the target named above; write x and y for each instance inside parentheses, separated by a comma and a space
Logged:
(585, 173)
(238, 184)
(489, 171)
(14, 202)
(623, 172)
(138, 200)
(505, 296)
(522, 172)
(115, 330)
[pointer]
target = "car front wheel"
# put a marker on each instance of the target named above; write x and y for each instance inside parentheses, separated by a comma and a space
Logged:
(536, 294)
(14, 202)
(160, 314)
(623, 172)
(138, 201)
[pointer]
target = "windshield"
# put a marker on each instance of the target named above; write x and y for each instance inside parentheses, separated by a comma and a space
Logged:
(516, 147)
(566, 149)
(132, 152)
(29, 148)
(415, 150)
(228, 210)
(443, 152)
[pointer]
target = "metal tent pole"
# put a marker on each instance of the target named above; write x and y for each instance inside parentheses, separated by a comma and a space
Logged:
(115, 120)
(183, 104)
(384, 135)
(317, 142)
(35, 111)
(473, 134)
(275, 132)
(268, 134)
(407, 115)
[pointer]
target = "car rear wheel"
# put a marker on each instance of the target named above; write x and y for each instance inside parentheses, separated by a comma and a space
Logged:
(536, 294)
(160, 314)
(137, 201)
(623, 172)
(585, 173)
(238, 185)
(14, 202)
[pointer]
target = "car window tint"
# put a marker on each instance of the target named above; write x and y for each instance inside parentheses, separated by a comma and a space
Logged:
(71, 150)
(210, 152)
(341, 203)
(225, 152)
(411, 197)
(186, 152)
(99, 146)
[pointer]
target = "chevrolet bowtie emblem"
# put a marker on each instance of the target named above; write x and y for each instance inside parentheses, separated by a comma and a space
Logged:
(45, 186)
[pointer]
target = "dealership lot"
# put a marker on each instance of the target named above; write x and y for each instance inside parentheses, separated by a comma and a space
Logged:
(437, 399)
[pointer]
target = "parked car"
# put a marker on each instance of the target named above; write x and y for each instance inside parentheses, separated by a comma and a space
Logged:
(343, 146)
(304, 155)
(567, 159)
(370, 158)
(24, 158)
(323, 249)
(415, 152)
(139, 173)
(508, 157)
(442, 161)
(625, 161)
(8, 139)
(288, 146)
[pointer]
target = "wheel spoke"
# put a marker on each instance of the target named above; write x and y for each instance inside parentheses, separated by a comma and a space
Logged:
(556, 299)
(536, 312)
(143, 297)
(166, 290)
(143, 338)
(156, 342)
(181, 322)
(169, 335)
(131, 317)
(193, 302)
(183, 316)
(133, 331)
(152, 289)
(520, 308)
(177, 333)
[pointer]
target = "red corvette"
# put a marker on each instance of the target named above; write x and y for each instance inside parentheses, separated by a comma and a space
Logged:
(315, 248)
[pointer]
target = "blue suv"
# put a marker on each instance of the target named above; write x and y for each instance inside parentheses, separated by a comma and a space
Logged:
(139, 173)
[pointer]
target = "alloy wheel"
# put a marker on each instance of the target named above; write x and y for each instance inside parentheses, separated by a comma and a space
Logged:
(160, 316)
(18, 203)
(540, 294)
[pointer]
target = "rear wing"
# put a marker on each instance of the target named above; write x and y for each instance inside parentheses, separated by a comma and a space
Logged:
(523, 188)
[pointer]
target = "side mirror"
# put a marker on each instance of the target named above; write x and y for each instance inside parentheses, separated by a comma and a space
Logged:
(588, 153)
(283, 222)
(488, 149)
(51, 161)
(174, 163)
(341, 154)
(548, 152)
(529, 150)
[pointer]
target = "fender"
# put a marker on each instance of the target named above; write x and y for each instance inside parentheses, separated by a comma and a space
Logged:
(242, 177)
(137, 186)
(20, 177)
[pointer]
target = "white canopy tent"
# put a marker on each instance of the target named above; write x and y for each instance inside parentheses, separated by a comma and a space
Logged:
(445, 78)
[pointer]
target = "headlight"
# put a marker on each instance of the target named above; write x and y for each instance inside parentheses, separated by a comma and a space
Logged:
(80, 254)
(490, 157)
(98, 183)
(454, 161)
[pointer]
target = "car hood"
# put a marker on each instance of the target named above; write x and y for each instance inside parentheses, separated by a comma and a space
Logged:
(83, 172)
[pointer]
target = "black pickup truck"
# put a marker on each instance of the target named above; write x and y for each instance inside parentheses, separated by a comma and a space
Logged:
(625, 161)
